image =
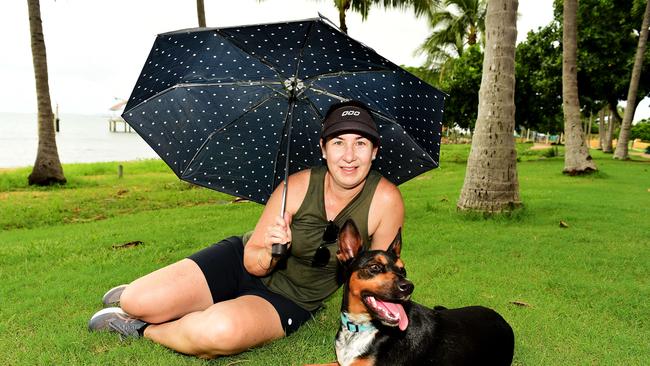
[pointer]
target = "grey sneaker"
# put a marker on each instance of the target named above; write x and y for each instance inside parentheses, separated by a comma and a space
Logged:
(112, 296)
(116, 320)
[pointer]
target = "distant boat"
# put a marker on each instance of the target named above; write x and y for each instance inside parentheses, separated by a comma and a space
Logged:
(119, 106)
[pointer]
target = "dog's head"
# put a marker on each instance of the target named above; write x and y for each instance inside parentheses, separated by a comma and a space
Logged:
(375, 280)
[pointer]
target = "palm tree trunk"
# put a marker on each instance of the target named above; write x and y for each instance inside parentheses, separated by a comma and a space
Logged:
(47, 167)
(624, 135)
(588, 124)
(601, 129)
(576, 158)
(343, 6)
(611, 126)
(200, 11)
(491, 183)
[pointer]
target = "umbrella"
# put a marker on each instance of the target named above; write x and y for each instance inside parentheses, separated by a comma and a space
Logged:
(238, 109)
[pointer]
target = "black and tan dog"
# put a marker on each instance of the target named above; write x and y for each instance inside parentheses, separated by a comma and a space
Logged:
(381, 326)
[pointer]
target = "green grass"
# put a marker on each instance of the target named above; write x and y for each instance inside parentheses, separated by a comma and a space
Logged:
(586, 286)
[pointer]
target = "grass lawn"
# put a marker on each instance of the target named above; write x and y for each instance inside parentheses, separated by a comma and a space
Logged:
(574, 296)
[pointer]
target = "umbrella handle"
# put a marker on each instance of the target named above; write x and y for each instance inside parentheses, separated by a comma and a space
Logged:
(279, 250)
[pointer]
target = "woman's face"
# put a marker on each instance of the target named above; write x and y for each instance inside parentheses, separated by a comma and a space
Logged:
(349, 157)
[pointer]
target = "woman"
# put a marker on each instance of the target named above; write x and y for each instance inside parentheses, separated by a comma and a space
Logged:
(234, 295)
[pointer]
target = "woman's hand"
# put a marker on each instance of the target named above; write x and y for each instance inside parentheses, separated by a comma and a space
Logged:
(279, 232)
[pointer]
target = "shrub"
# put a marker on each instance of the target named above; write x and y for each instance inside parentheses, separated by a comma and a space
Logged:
(641, 131)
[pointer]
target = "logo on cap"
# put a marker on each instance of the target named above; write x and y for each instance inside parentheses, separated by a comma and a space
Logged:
(350, 113)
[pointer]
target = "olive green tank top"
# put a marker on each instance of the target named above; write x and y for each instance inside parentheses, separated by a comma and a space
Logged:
(308, 286)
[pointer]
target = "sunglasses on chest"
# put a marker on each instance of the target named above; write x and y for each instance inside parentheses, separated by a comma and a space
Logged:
(322, 255)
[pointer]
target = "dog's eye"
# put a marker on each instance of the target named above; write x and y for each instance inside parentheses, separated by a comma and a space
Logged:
(403, 271)
(376, 268)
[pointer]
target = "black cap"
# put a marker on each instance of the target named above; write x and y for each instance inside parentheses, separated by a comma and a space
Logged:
(350, 118)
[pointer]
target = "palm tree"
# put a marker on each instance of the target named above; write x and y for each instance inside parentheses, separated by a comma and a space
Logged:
(456, 24)
(577, 160)
(491, 183)
(624, 135)
(363, 7)
(47, 167)
(200, 11)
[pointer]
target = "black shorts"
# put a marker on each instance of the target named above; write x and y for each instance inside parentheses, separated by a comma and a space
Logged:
(223, 267)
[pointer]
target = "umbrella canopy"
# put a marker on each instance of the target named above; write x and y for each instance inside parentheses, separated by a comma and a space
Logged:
(224, 107)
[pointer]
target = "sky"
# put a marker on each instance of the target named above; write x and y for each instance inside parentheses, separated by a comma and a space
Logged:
(96, 49)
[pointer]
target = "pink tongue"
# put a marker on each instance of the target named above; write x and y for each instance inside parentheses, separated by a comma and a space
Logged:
(396, 309)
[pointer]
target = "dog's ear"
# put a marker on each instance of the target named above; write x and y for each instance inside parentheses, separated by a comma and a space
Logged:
(396, 245)
(350, 242)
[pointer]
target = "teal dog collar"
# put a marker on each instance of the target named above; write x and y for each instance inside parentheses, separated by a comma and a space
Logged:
(353, 327)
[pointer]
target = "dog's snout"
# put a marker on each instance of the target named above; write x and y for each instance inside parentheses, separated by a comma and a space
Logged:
(405, 286)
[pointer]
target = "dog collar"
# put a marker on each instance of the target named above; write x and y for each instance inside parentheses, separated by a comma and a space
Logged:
(354, 327)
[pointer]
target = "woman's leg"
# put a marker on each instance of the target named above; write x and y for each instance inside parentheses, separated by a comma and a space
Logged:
(168, 293)
(224, 328)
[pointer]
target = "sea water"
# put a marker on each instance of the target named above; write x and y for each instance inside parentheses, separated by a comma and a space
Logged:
(81, 139)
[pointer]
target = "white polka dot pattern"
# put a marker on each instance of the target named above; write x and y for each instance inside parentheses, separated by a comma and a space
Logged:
(215, 104)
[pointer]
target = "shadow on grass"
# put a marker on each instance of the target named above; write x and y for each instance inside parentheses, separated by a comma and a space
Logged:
(597, 174)
(515, 216)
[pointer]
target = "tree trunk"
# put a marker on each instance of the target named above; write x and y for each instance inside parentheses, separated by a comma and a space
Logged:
(611, 126)
(585, 121)
(343, 6)
(577, 160)
(624, 135)
(588, 123)
(491, 183)
(601, 129)
(200, 11)
(47, 167)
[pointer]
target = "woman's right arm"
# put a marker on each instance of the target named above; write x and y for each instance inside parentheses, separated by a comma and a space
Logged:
(271, 228)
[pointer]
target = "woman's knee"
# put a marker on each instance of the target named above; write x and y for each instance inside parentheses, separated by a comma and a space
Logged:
(168, 293)
(145, 303)
(136, 302)
(220, 336)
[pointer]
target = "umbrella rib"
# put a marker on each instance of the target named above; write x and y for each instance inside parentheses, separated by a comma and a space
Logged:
(287, 124)
(200, 149)
(186, 85)
(311, 80)
(238, 83)
(314, 108)
(240, 47)
(329, 94)
(314, 78)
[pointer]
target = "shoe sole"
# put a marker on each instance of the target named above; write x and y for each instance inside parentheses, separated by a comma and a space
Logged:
(112, 296)
(99, 321)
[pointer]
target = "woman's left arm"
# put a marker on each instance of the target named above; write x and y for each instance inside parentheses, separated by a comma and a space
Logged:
(386, 215)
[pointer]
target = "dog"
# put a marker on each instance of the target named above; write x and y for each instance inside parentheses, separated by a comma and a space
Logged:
(381, 326)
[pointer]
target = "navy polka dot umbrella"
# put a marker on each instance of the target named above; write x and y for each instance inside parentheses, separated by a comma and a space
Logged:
(237, 109)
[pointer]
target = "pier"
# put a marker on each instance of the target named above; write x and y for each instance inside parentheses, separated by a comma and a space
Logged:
(119, 125)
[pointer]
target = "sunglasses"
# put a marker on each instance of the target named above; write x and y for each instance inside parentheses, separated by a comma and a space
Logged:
(322, 255)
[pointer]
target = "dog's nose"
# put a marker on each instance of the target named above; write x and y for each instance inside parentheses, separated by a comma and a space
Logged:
(406, 287)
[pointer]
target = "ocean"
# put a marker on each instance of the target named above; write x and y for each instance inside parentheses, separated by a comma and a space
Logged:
(82, 139)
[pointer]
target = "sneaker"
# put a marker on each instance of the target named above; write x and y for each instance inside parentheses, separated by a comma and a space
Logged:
(112, 296)
(116, 320)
